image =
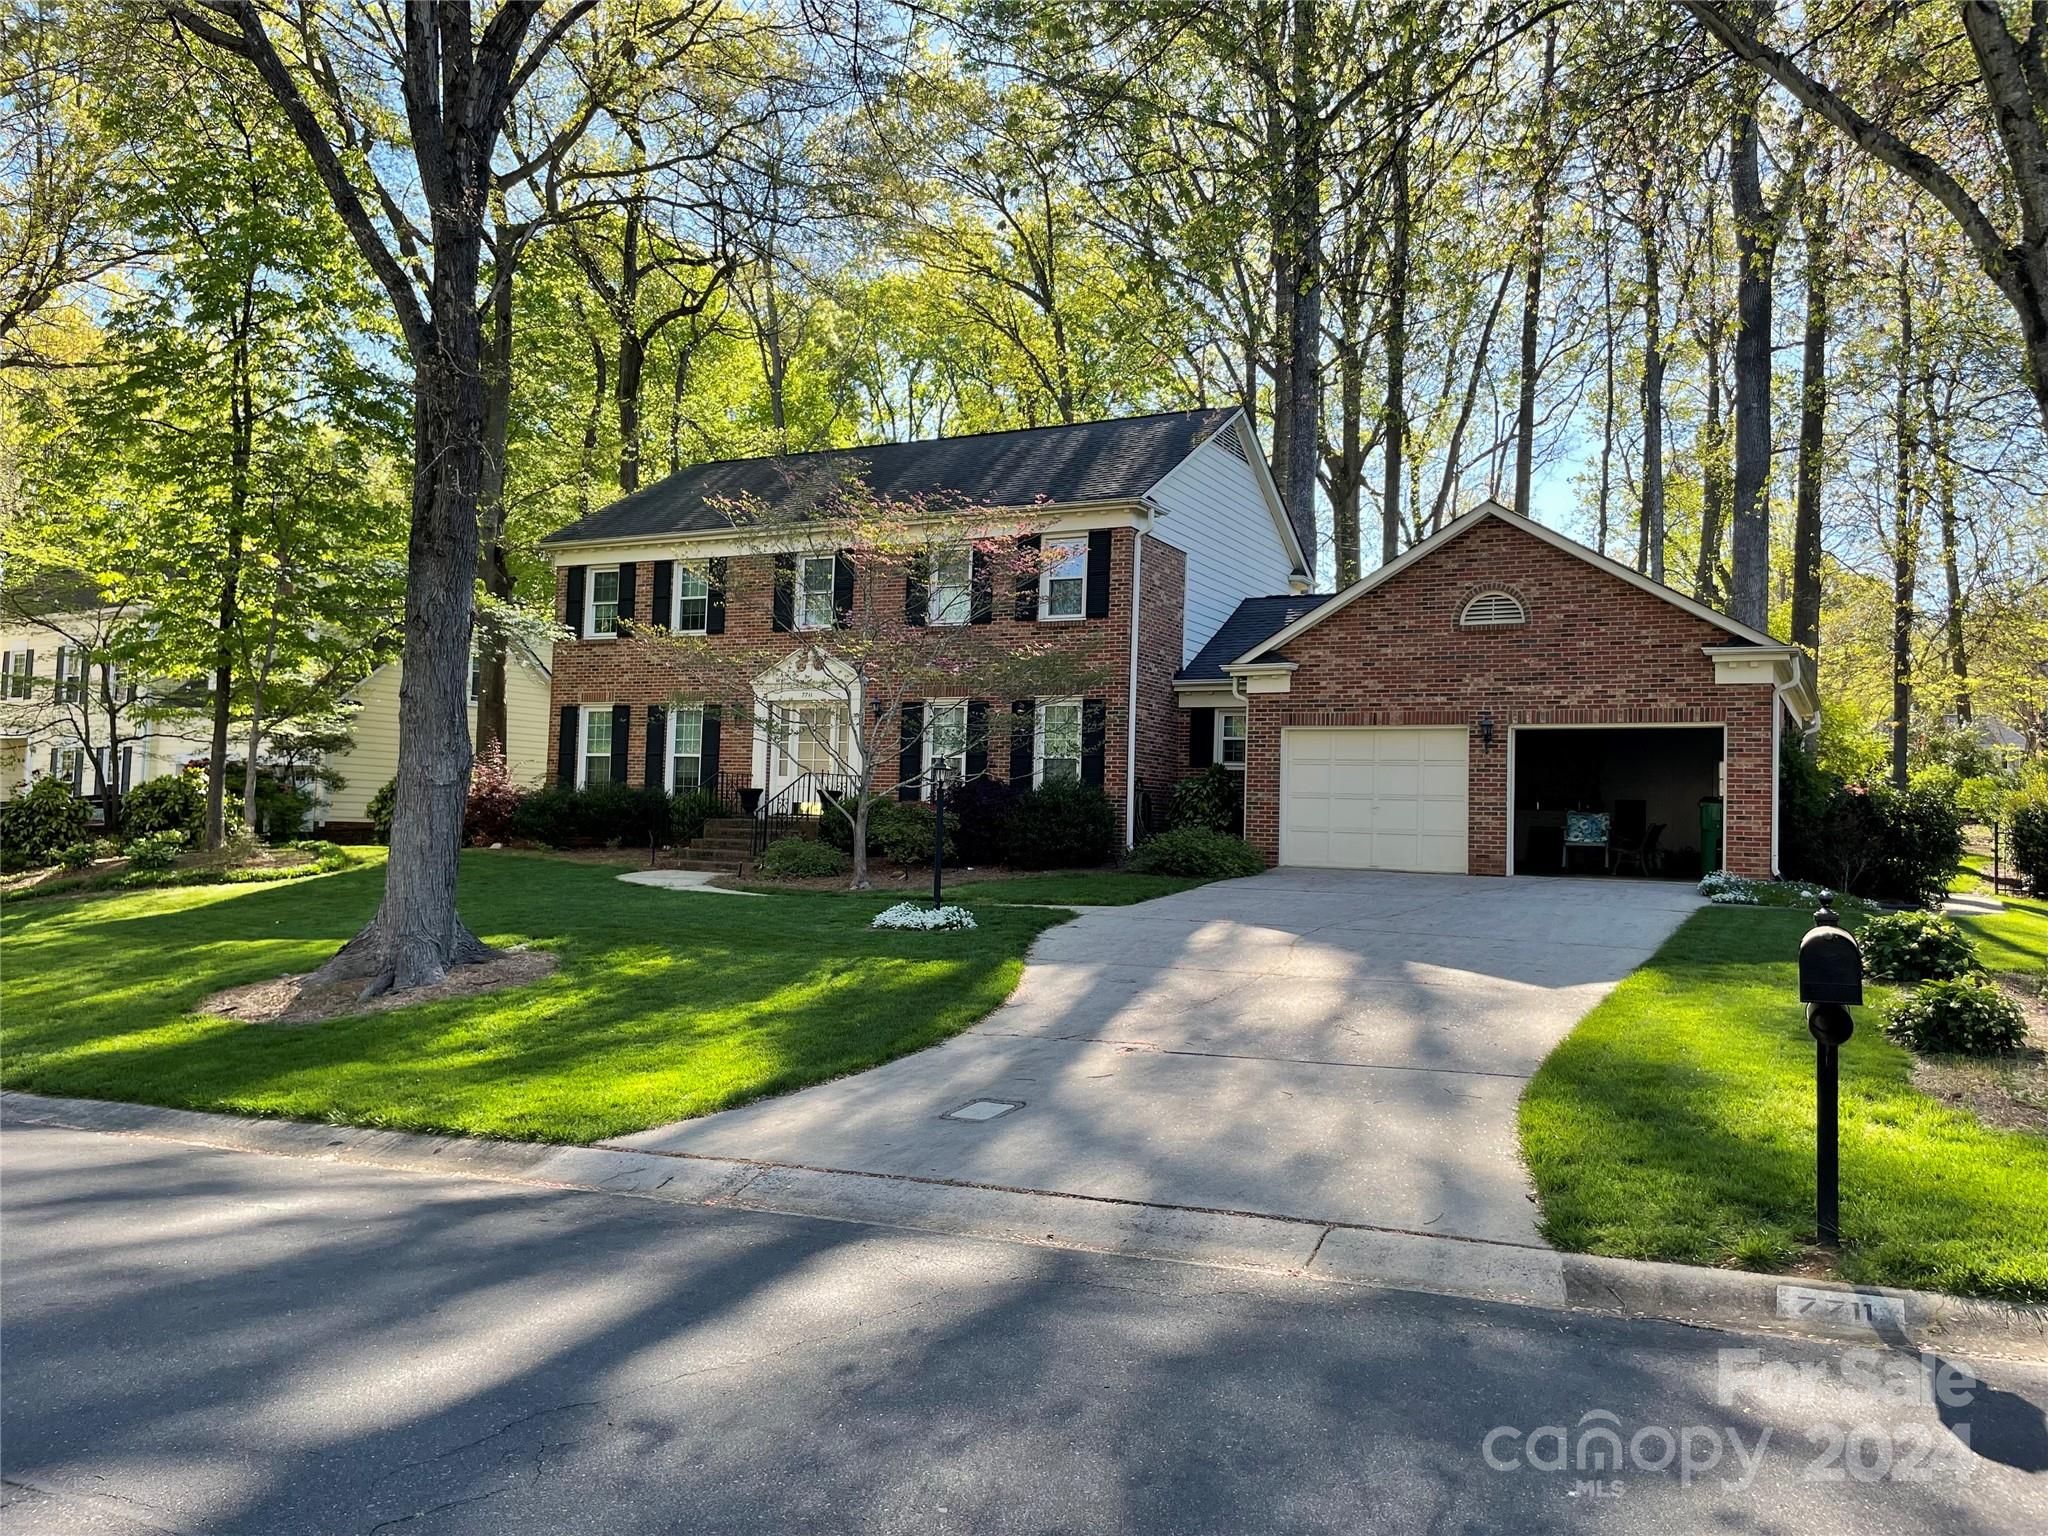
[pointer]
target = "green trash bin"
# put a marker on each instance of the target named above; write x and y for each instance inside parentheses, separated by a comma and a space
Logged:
(1710, 834)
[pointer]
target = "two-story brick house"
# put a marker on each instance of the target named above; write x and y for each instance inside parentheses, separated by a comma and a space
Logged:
(1151, 531)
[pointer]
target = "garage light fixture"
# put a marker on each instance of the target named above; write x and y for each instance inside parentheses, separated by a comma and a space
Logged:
(1486, 728)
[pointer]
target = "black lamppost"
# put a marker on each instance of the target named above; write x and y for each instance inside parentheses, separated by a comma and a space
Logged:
(1830, 983)
(941, 781)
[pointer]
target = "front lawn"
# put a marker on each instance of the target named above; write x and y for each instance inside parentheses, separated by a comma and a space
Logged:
(2014, 941)
(1676, 1122)
(667, 1004)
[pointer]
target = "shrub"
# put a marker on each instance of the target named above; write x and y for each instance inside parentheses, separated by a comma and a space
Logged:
(1199, 852)
(599, 816)
(974, 818)
(155, 854)
(2028, 815)
(1061, 825)
(76, 855)
(281, 808)
(1915, 946)
(493, 798)
(1889, 844)
(176, 802)
(835, 826)
(901, 832)
(380, 807)
(689, 809)
(918, 918)
(1968, 1015)
(797, 858)
(45, 818)
(1213, 798)
(1805, 793)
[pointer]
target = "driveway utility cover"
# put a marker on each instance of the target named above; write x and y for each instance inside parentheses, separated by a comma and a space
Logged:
(1330, 1045)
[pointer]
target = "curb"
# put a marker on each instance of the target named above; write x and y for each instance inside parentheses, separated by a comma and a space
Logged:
(1339, 1253)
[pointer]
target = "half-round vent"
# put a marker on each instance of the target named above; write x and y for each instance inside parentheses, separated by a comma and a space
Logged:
(1493, 610)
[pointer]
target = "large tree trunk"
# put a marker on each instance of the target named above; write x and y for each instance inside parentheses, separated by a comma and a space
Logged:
(1304, 299)
(1532, 284)
(1394, 434)
(226, 617)
(1605, 518)
(1905, 537)
(493, 565)
(1749, 596)
(1942, 467)
(1813, 415)
(1347, 478)
(1650, 517)
(1713, 452)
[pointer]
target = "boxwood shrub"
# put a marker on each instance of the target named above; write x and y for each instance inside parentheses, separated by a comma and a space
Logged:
(1915, 946)
(799, 858)
(1062, 825)
(1968, 1015)
(1198, 852)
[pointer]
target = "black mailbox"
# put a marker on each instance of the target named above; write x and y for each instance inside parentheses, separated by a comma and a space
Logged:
(1830, 968)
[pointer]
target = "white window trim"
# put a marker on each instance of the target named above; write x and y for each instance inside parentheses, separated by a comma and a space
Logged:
(675, 613)
(1045, 579)
(17, 682)
(1231, 714)
(1487, 620)
(675, 723)
(591, 712)
(931, 708)
(1038, 737)
(590, 629)
(796, 597)
(965, 588)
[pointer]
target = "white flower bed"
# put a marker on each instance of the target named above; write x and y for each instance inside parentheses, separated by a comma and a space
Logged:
(1726, 890)
(909, 914)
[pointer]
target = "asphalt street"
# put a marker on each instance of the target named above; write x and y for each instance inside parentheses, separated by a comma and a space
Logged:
(194, 1340)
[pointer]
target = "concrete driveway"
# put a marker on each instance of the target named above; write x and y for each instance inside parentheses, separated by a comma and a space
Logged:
(1334, 1046)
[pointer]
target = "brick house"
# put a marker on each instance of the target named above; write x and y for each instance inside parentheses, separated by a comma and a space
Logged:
(1152, 530)
(1500, 699)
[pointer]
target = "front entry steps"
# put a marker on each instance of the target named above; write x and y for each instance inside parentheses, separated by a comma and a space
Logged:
(726, 845)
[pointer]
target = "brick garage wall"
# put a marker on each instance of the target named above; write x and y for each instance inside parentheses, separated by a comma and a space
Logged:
(641, 672)
(1162, 729)
(1595, 650)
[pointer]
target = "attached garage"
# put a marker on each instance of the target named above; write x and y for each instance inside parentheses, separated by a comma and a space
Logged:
(1374, 798)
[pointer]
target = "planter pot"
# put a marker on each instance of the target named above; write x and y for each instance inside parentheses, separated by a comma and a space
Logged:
(750, 801)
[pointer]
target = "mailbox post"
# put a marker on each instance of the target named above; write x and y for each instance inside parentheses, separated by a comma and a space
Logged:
(1830, 984)
(941, 780)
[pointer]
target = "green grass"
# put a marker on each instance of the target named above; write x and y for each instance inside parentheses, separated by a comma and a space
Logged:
(1676, 1122)
(2015, 940)
(667, 1004)
(1067, 888)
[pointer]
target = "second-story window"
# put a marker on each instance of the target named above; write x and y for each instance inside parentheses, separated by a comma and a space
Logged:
(951, 596)
(1063, 580)
(693, 601)
(20, 665)
(604, 602)
(70, 675)
(814, 577)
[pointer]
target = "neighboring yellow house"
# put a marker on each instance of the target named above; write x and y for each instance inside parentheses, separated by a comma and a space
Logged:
(372, 761)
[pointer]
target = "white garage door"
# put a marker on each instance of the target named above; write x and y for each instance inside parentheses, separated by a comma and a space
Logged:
(1373, 799)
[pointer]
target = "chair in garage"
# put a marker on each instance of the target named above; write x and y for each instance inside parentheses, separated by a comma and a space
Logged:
(1586, 830)
(1641, 852)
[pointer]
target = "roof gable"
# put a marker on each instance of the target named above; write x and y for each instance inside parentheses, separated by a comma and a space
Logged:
(1255, 619)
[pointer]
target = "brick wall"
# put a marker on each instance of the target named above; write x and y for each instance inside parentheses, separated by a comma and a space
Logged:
(1595, 650)
(640, 672)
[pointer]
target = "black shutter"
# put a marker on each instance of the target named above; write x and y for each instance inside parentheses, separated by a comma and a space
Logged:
(566, 748)
(1027, 578)
(1023, 748)
(28, 687)
(1201, 737)
(662, 609)
(707, 752)
(127, 768)
(1094, 718)
(657, 747)
(572, 601)
(842, 589)
(714, 597)
(1098, 574)
(917, 589)
(977, 738)
(628, 571)
(910, 753)
(785, 592)
(622, 739)
(981, 601)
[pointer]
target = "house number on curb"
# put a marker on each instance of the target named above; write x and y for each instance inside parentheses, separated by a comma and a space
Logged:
(1812, 1304)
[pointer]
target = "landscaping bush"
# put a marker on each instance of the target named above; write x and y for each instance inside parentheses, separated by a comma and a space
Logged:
(974, 819)
(797, 858)
(493, 799)
(599, 816)
(76, 855)
(1213, 798)
(379, 809)
(1915, 946)
(176, 802)
(281, 808)
(1888, 844)
(1806, 791)
(2028, 819)
(689, 809)
(155, 854)
(835, 826)
(1199, 852)
(1062, 825)
(901, 832)
(1968, 1015)
(41, 821)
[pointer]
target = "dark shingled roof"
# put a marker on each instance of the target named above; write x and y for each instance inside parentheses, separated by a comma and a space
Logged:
(1090, 461)
(1256, 619)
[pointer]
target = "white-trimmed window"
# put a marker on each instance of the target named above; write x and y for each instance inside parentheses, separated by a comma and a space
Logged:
(70, 674)
(17, 673)
(1063, 579)
(1059, 741)
(950, 597)
(693, 601)
(815, 575)
(811, 738)
(686, 747)
(68, 767)
(597, 745)
(945, 740)
(476, 677)
(1230, 738)
(603, 603)
(1493, 610)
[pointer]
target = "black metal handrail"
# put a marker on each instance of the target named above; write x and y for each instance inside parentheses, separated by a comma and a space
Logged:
(804, 789)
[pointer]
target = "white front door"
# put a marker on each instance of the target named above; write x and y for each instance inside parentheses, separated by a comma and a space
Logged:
(806, 738)
(1374, 798)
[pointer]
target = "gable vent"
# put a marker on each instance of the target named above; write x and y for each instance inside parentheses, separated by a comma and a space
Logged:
(1493, 610)
(1231, 443)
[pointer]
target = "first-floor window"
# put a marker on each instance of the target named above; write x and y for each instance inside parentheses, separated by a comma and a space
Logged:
(686, 723)
(1059, 740)
(1230, 737)
(67, 766)
(476, 676)
(945, 741)
(597, 744)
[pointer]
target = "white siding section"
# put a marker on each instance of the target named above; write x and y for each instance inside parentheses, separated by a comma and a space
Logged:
(374, 757)
(1215, 514)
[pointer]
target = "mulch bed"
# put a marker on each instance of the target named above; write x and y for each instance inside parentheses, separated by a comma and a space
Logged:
(288, 1000)
(2008, 1093)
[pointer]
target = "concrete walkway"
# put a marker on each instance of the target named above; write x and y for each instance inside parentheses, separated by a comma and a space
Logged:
(681, 880)
(1339, 1047)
